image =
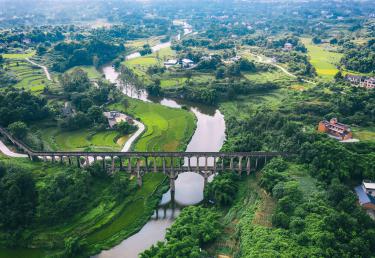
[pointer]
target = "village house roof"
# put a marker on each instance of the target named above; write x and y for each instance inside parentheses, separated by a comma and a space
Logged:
(363, 197)
(369, 185)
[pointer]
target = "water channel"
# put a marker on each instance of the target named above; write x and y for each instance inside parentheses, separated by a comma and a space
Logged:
(208, 136)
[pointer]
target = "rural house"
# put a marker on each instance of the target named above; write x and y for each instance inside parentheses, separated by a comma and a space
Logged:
(335, 129)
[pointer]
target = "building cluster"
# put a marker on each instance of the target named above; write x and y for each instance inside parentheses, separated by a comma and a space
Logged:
(115, 117)
(361, 81)
(184, 62)
(366, 196)
(335, 129)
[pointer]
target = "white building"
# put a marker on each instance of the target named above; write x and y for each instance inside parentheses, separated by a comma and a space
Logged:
(369, 188)
(186, 63)
(115, 117)
(170, 62)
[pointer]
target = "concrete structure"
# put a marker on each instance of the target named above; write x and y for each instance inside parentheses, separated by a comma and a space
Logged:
(170, 163)
(334, 128)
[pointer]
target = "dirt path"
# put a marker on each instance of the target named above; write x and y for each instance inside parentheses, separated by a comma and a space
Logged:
(48, 75)
(267, 60)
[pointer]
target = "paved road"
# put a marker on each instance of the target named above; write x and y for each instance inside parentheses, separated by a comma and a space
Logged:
(131, 140)
(48, 75)
(4, 149)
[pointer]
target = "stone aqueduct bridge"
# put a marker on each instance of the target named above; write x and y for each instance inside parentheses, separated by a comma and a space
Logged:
(170, 163)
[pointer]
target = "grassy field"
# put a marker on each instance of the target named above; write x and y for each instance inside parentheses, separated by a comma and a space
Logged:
(30, 77)
(265, 77)
(91, 71)
(140, 65)
(167, 129)
(102, 223)
(84, 139)
(323, 60)
(364, 134)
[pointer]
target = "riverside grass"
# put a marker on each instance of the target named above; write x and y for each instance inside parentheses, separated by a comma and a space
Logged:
(101, 224)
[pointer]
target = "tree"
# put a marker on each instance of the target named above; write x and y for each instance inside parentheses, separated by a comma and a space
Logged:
(18, 129)
(75, 81)
(222, 189)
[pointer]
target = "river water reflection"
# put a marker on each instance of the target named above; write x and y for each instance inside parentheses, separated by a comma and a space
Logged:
(208, 136)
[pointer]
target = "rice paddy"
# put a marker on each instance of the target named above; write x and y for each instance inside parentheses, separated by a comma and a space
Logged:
(91, 71)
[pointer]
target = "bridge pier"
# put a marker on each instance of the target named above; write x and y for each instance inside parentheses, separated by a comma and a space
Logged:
(139, 178)
(248, 165)
(78, 162)
(240, 165)
(189, 164)
(103, 162)
(155, 166)
(197, 165)
(120, 159)
(231, 164)
(164, 170)
(69, 160)
(112, 164)
(129, 166)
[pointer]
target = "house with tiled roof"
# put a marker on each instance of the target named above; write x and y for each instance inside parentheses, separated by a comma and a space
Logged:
(335, 129)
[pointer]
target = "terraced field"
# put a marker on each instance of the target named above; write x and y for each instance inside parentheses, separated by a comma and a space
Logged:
(85, 139)
(167, 129)
(30, 77)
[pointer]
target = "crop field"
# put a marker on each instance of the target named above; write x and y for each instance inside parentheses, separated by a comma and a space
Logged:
(167, 129)
(91, 71)
(85, 139)
(29, 77)
(323, 60)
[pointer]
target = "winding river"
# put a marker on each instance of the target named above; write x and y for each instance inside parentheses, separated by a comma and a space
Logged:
(208, 136)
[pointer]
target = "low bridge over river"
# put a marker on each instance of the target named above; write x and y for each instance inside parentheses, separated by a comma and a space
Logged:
(170, 163)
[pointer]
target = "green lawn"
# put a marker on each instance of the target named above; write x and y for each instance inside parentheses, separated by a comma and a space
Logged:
(323, 60)
(364, 134)
(91, 71)
(167, 129)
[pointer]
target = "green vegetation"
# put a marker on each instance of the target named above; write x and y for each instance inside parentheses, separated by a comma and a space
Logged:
(28, 76)
(81, 140)
(167, 129)
(193, 228)
(324, 61)
(91, 71)
(96, 209)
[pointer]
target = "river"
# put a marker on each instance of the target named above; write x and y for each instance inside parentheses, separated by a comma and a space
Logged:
(208, 136)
